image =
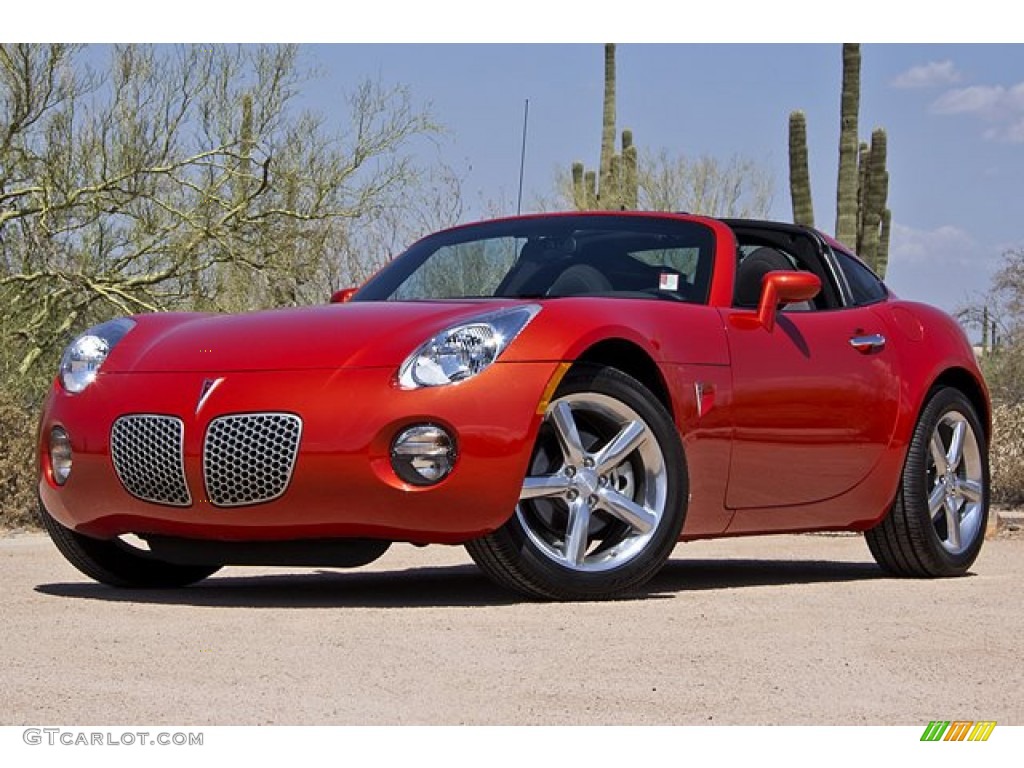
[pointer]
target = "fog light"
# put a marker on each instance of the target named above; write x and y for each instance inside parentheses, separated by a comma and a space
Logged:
(60, 455)
(423, 455)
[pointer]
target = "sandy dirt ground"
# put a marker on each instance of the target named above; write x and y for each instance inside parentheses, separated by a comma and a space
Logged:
(786, 629)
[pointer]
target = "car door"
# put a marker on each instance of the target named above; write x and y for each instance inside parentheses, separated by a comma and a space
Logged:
(815, 401)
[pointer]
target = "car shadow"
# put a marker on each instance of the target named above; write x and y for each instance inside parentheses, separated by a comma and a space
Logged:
(452, 586)
(693, 575)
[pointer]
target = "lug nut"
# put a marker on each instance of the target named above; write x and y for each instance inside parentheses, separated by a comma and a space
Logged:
(570, 471)
(572, 494)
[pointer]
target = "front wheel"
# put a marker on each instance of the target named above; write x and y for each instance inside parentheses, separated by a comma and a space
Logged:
(117, 563)
(604, 498)
(937, 525)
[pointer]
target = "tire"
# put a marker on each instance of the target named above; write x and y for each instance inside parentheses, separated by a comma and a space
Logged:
(937, 525)
(604, 498)
(117, 563)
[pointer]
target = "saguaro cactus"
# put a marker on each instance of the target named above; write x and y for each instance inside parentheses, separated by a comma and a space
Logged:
(876, 192)
(863, 221)
(882, 258)
(630, 173)
(579, 192)
(590, 185)
(614, 186)
(608, 116)
(799, 175)
(846, 186)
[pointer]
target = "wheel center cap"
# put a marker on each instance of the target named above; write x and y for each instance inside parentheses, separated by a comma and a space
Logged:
(585, 481)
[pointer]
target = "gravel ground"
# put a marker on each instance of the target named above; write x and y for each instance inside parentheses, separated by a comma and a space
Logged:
(770, 630)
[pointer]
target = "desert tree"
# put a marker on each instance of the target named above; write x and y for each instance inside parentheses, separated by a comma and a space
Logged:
(183, 178)
(141, 178)
(664, 180)
(735, 187)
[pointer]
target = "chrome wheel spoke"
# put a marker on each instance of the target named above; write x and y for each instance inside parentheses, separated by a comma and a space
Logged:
(576, 535)
(540, 486)
(618, 449)
(970, 490)
(936, 501)
(568, 434)
(598, 487)
(956, 498)
(628, 511)
(938, 451)
(955, 454)
(952, 524)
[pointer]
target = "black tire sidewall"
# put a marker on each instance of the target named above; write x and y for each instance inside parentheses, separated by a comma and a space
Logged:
(111, 562)
(557, 580)
(935, 558)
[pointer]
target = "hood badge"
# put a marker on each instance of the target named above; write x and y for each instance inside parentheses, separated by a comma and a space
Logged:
(205, 391)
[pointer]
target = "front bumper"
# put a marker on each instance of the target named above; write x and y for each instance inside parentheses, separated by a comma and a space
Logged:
(342, 485)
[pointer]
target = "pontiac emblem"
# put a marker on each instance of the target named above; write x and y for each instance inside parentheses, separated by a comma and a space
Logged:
(205, 391)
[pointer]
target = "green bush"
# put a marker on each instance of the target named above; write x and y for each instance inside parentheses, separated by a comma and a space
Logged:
(17, 463)
(1007, 454)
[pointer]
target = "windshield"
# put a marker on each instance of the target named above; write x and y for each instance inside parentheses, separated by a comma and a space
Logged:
(587, 255)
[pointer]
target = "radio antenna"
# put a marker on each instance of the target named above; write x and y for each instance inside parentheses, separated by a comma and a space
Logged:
(522, 158)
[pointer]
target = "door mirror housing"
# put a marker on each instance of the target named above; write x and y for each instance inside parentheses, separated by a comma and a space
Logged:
(778, 288)
(343, 295)
(783, 287)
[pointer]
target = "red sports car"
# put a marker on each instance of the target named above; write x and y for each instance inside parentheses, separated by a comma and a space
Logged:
(566, 395)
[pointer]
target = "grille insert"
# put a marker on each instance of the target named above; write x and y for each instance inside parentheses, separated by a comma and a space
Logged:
(248, 458)
(148, 454)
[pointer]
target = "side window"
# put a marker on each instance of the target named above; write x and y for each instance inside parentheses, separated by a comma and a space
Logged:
(789, 247)
(755, 261)
(682, 260)
(864, 285)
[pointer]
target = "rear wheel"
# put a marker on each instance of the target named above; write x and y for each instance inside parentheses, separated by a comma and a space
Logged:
(937, 525)
(604, 497)
(118, 563)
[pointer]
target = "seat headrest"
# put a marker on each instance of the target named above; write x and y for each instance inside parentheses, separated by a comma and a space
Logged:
(752, 269)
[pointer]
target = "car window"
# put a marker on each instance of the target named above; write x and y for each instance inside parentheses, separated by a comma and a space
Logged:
(474, 268)
(799, 249)
(628, 257)
(682, 260)
(865, 287)
(755, 261)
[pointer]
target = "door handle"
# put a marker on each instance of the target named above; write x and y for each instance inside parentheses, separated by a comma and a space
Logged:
(872, 342)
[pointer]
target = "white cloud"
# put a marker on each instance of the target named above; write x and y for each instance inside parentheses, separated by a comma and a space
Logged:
(921, 245)
(1015, 133)
(930, 75)
(984, 99)
(1000, 106)
(945, 266)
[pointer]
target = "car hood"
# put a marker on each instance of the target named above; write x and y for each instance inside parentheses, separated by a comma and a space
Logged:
(360, 335)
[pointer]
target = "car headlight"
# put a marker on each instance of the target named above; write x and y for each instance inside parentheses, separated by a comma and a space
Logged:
(84, 356)
(462, 351)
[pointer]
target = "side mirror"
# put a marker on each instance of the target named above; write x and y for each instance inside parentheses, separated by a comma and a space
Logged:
(343, 295)
(782, 287)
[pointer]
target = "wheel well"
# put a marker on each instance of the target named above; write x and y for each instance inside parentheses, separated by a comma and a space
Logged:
(961, 379)
(631, 360)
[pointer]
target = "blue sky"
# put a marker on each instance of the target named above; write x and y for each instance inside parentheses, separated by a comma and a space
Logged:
(954, 116)
(954, 112)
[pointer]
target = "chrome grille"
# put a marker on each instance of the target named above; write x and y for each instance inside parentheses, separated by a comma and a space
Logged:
(248, 458)
(148, 453)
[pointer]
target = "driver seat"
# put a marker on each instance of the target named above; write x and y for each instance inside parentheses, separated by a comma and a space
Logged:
(751, 272)
(578, 280)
